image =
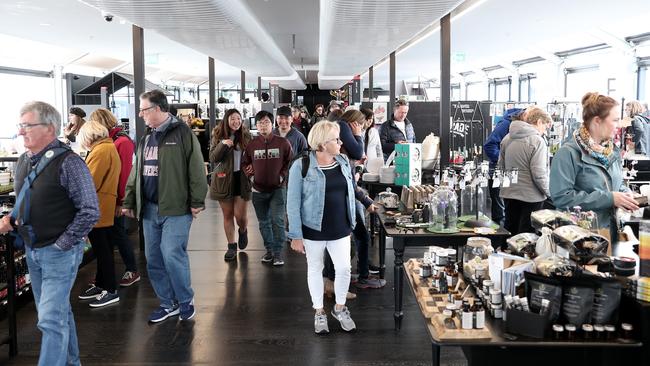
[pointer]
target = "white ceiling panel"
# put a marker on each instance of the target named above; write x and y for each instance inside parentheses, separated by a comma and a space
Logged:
(356, 34)
(224, 29)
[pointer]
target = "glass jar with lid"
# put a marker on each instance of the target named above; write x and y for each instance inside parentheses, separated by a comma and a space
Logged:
(388, 199)
(445, 210)
(475, 255)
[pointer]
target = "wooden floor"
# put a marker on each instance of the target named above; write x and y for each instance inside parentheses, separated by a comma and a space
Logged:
(247, 314)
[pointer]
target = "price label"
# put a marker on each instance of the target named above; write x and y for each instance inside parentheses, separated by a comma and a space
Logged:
(506, 182)
(496, 183)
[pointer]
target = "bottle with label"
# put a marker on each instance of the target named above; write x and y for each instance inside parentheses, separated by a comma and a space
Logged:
(479, 315)
(467, 320)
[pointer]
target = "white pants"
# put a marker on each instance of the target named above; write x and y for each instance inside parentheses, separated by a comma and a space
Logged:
(340, 253)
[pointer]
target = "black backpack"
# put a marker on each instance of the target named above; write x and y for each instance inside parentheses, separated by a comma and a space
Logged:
(305, 162)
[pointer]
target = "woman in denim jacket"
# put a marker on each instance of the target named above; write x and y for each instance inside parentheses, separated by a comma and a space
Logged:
(316, 222)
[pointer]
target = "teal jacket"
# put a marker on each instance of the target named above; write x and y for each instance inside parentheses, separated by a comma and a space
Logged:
(577, 179)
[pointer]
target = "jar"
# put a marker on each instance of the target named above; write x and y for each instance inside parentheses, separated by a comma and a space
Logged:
(599, 332)
(487, 286)
(480, 270)
(497, 311)
(495, 296)
(610, 332)
(558, 332)
(441, 258)
(425, 270)
(445, 209)
(626, 331)
(447, 314)
(451, 255)
(389, 199)
(475, 253)
(570, 332)
(587, 332)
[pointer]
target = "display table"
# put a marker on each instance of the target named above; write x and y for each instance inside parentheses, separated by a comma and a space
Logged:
(417, 238)
(515, 349)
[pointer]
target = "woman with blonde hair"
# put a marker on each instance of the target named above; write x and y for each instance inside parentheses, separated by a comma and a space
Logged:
(525, 149)
(316, 224)
(104, 164)
(640, 127)
(587, 170)
(229, 184)
(125, 148)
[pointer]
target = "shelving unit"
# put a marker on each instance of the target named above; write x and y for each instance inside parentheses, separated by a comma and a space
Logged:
(10, 301)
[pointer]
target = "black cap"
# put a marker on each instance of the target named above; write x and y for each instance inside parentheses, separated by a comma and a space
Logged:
(77, 112)
(283, 111)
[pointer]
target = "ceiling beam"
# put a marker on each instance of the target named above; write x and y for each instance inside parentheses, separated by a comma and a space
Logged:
(615, 42)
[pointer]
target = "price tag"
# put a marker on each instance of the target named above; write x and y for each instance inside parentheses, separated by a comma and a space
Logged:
(437, 180)
(496, 183)
(515, 177)
(461, 185)
(483, 182)
(506, 182)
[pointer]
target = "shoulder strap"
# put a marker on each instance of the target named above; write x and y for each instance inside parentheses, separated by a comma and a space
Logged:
(305, 164)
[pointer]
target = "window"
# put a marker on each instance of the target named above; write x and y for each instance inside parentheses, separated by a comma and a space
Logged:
(527, 88)
(455, 92)
(18, 90)
(579, 81)
(476, 91)
(499, 90)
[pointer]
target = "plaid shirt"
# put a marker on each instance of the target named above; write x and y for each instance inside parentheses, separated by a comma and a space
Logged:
(75, 178)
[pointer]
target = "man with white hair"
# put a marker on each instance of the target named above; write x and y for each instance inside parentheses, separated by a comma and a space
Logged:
(53, 242)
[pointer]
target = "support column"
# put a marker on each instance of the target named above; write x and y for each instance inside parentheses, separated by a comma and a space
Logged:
(391, 77)
(212, 106)
(371, 77)
(138, 79)
(445, 88)
(242, 89)
(259, 88)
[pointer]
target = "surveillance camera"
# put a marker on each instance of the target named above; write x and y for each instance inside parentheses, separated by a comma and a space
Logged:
(107, 17)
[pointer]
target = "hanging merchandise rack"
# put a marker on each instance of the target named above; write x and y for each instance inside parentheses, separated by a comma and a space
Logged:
(565, 121)
(467, 126)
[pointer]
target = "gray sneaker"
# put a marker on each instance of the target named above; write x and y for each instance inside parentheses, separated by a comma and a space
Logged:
(320, 324)
(344, 318)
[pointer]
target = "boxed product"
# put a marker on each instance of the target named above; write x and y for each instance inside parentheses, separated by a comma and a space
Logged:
(408, 175)
(408, 154)
(644, 249)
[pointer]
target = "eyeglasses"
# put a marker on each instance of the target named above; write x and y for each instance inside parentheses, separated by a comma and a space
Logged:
(338, 141)
(146, 109)
(264, 122)
(27, 126)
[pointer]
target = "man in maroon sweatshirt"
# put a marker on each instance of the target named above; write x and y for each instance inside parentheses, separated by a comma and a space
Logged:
(266, 161)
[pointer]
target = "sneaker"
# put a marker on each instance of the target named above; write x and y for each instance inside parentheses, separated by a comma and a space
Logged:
(242, 241)
(163, 313)
(344, 318)
(277, 260)
(105, 298)
(320, 324)
(187, 311)
(267, 258)
(231, 253)
(370, 283)
(373, 269)
(91, 293)
(129, 278)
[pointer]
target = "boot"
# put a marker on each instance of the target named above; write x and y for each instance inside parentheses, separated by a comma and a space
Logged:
(231, 253)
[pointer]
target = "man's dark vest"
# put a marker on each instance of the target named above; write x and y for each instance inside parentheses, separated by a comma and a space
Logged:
(51, 210)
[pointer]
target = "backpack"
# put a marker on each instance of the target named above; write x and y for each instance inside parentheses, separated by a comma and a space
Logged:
(304, 156)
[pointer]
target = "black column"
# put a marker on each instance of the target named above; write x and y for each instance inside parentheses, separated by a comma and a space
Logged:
(242, 89)
(259, 88)
(138, 78)
(212, 96)
(371, 77)
(391, 77)
(445, 88)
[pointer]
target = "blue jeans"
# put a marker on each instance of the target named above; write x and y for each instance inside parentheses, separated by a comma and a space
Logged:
(165, 247)
(270, 208)
(53, 272)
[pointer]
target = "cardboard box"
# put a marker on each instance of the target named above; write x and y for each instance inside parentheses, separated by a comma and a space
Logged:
(408, 154)
(644, 248)
(408, 175)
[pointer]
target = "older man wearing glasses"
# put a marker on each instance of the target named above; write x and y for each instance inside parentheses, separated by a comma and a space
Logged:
(53, 242)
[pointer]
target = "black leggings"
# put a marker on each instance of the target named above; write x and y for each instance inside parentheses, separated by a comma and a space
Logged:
(103, 250)
(518, 215)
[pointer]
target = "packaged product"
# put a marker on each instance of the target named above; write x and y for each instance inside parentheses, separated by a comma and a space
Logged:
(607, 298)
(549, 218)
(583, 246)
(523, 245)
(577, 300)
(555, 265)
(540, 288)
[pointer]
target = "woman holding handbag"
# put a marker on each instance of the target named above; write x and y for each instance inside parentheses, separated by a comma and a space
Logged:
(229, 184)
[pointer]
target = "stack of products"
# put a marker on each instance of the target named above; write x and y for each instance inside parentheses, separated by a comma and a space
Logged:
(639, 288)
(408, 164)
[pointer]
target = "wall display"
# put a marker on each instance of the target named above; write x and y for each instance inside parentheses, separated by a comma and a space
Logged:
(469, 130)
(380, 110)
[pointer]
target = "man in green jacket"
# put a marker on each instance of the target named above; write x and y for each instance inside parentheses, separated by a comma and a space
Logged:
(166, 190)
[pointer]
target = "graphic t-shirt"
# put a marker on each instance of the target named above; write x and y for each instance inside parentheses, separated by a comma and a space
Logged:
(150, 167)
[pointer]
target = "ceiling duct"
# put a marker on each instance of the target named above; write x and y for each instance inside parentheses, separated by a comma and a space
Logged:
(224, 29)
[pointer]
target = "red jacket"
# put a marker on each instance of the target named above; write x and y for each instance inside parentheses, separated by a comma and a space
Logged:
(270, 158)
(125, 148)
